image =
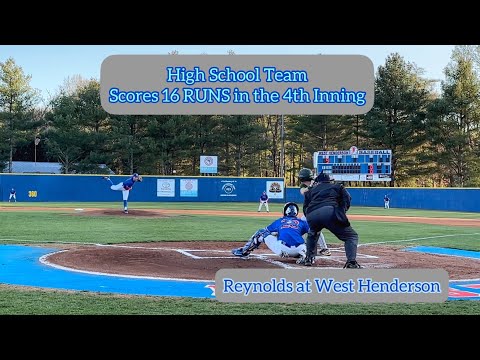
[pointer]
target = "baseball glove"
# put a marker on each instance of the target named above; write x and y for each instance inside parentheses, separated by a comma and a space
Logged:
(140, 178)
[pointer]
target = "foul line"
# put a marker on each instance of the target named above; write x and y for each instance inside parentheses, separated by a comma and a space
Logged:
(49, 242)
(416, 239)
(464, 280)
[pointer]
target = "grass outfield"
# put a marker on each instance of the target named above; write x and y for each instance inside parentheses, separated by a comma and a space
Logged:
(18, 301)
(60, 226)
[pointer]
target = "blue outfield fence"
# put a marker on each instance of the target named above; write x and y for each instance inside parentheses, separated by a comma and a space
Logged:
(88, 188)
(443, 199)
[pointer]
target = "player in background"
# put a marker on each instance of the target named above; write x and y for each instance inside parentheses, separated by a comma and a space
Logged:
(125, 187)
(284, 236)
(386, 201)
(263, 202)
(13, 195)
(306, 175)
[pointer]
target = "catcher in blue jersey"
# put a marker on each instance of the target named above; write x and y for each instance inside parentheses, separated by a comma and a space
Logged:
(125, 187)
(288, 241)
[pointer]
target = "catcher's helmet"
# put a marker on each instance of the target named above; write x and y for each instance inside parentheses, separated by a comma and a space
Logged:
(322, 177)
(290, 209)
(305, 174)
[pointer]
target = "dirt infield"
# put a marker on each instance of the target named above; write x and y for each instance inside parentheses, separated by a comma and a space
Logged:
(200, 260)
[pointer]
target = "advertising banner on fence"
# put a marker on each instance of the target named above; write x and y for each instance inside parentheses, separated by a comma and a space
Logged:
(189, 187)
(275, 189)
(228, 188)
(166, 187)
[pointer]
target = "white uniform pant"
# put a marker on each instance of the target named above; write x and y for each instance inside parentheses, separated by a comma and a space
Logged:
(119, 187)
(321, 243)
(387, 204)
(12, 196)
(262, 203)
(278, 247)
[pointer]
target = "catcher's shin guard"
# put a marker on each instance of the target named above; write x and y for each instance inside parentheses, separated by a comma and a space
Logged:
(255, 241)
(249, 247)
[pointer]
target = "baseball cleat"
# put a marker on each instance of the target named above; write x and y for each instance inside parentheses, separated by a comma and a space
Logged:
(301, 260)
(353, 264)
(239, 252)
(309, 261)
(125, 211)
(324, 252)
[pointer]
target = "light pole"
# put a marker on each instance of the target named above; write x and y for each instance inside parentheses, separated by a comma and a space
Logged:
(37, 141)
(357, 129)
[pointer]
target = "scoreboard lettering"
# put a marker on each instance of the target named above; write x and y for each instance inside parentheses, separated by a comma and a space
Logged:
(355, 164)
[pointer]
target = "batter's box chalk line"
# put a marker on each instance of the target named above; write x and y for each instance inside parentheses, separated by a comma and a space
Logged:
(263, 257)
(271, 258)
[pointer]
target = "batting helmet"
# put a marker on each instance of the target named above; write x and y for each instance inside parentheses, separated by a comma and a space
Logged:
(290, 209)
(305, 174)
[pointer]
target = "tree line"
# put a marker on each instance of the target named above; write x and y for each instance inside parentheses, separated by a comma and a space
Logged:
(434, 134)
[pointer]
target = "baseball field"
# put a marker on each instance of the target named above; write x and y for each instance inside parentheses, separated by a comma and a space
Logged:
(98, 237)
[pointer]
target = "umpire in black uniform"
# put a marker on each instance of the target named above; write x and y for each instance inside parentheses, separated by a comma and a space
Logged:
(325, 206)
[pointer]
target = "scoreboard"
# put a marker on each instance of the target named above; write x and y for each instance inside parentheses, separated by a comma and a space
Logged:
(355, 164)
